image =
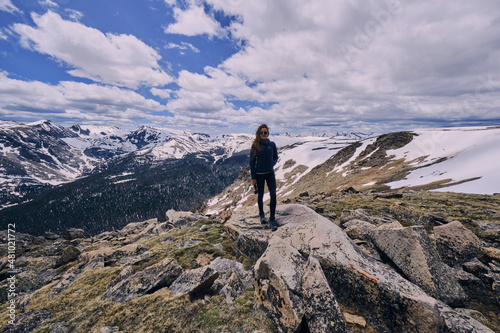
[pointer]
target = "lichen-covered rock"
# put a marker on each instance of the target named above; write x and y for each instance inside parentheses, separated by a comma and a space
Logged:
(386, 300)
(456, 244)
(128, 286)
(412, 251)
(233, 279)
(194, 281)
(278, 279)
(321, 309)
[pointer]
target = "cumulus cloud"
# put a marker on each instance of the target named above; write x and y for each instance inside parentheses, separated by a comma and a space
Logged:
(398, 62)
(34, 100)
(194, 21)
(121, 60)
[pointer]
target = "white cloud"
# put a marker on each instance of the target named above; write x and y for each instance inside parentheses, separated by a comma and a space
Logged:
(8, 6)
(182, 46)
(398, 62)
(120, 60)
(34, 100)
(194, 21)
(49, 3)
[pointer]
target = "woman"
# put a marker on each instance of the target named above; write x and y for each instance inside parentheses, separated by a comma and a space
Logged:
(263, 158)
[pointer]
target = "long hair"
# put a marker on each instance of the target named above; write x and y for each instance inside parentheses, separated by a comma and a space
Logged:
(256, 141)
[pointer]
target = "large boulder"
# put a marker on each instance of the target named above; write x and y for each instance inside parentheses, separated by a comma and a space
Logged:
(456, 244)
(306, 241)
(412, 251)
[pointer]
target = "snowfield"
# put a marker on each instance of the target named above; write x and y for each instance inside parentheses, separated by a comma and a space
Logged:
(468, 152)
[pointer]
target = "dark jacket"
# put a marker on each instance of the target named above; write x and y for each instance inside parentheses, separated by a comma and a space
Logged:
(266, 160)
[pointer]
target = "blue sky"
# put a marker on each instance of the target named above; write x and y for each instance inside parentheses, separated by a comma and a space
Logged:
(230, 65)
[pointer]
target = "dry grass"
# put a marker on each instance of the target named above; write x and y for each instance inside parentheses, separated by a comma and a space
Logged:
(83, 308)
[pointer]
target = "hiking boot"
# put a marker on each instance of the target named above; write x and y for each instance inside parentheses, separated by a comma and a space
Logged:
(273, 224)
(262, 219)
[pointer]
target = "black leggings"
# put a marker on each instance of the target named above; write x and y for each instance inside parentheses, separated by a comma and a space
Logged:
(270, 179)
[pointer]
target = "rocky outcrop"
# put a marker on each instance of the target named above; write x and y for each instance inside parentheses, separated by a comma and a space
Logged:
(362, 273)
(309, 269)
(129, 285)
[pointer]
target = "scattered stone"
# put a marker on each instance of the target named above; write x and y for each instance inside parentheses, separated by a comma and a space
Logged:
(204, 258)
(460, 322)
(386, 300)
(354, 320)
(187, 242)
(491, 253)
(109, 329)
(362, 215)
(182, 219)
(225, 215)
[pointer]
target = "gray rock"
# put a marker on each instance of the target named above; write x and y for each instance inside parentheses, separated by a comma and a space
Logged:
(233, 279)
(194, 281)
(27, 322)
(412, 251)
(109, 329)
(69, 254)
(278, 279)
(74, 233)
(66, 279)
(128, 286)
(362, 215)
(322, 312)
(51, 235)
(457, 322)
(456, 244)
(182, 219)
(386, 300)
(234, 288)
(187, 242)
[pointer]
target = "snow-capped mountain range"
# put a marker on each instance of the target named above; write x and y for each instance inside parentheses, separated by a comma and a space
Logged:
(44, 153)
(105, 177)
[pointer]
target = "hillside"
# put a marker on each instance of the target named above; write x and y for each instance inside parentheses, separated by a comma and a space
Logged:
(196, 273)
(459, 160)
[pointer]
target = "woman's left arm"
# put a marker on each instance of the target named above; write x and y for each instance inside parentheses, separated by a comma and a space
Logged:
(275, 154)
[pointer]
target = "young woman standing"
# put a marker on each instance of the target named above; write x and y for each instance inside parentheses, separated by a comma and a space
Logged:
(263, 158)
